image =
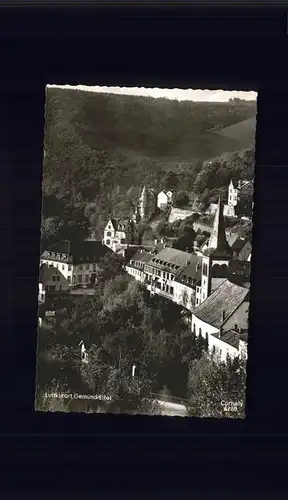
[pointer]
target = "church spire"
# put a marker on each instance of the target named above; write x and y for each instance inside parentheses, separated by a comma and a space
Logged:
(218, 241)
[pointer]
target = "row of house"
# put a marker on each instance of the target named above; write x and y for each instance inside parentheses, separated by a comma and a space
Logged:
(213, 286)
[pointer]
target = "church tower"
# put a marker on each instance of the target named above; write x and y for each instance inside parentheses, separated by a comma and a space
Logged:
(143, 201)
(217, 256)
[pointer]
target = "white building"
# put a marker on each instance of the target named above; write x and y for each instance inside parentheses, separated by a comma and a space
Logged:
(237, 189)
(223, 319)
(83, 352)
(164, 199)
(135, 266)
(186, 281)
(77, 262)
(118, 233)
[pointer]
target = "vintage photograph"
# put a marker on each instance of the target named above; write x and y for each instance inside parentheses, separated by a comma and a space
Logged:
(145, 251)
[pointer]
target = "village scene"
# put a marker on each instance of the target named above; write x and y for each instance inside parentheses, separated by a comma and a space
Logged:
(144, 296)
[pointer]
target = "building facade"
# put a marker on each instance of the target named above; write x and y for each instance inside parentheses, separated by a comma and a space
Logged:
(118, 233)
(77, 262)
(223, 320)
(164, 199)
(135, 266)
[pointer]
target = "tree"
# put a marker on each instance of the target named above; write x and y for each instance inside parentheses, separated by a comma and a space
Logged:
(110, 266)
(184, 243)
(217, 389)
(182, 199)
(170, 181)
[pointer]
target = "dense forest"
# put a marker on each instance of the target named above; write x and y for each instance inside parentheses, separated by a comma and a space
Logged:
(100, 148)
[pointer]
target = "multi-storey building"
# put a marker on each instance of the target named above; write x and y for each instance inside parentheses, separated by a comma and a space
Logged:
(161, 270)
(77, 262)
(223, 320)
(136, 264)
(118, 233)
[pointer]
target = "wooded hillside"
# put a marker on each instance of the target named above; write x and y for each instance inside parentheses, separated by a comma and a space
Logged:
(99, 148)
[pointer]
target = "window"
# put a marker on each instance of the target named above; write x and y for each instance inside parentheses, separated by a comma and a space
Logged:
(205, 269)
(63, 267)
(79, 278)
(52, 287)
(53, 278)
(87, 278)
(87, 267)
(203, 296)
(197, 301)
(58, 278)
(194, 328)
(109, 233)
(171, 290)
(107, 242)
(80, 267)
(122, 240)
(42, 296)
(69, 280)
(60, 287)
(69, 267)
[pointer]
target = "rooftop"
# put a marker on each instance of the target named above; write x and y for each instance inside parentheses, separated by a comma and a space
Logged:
(46, 273)
(171, 258)
(226, 298)
(192, 272)
(76, 253)
(141, 256)
(230, 337)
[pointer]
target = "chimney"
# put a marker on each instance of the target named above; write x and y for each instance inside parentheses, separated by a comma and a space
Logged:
(223, 315)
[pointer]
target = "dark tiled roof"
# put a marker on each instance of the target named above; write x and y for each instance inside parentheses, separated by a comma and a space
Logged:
(230, 337)
(62, 246)
(83, 251)
(227, 297)
(192, 273)
(46, 273)
(141, 256)
(240, 267)
(170, 258)
(238, 244)
(89, 251)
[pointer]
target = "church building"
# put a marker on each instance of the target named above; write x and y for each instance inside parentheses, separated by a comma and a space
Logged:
(216, 258)
(146, 206)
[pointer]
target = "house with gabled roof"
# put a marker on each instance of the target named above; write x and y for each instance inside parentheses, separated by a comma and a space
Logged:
(118, 233)
(223, 320)
(164, 199)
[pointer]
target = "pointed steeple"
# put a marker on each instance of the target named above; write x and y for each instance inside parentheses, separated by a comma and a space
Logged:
(218, 242)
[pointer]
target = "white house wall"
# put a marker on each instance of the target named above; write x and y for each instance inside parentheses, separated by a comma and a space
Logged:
(220, 350)
(180, 290)
(202, 328)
